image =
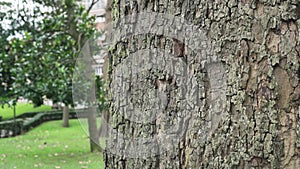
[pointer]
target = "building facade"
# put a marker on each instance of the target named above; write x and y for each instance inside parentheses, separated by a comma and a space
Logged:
(99, 10)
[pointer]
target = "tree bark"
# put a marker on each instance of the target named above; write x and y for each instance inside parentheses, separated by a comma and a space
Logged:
(66, 116)
(251, 78)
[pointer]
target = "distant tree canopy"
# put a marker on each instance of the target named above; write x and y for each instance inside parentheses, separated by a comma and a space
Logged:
(6, 79)
(39, 60)
(40, 45)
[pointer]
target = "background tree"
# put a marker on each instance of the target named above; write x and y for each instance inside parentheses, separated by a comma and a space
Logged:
(49, 37)
(52, 36)
(6, 79)
(256, 43)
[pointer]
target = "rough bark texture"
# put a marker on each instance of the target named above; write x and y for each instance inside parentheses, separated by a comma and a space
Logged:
(258, 45)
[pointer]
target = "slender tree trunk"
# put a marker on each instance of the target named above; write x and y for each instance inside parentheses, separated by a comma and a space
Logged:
(91, 97)
(92, 124)
(66, 116)
(103, 130)
(238, 105)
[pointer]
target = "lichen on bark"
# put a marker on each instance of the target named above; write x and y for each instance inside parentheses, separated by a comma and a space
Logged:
(257, 44)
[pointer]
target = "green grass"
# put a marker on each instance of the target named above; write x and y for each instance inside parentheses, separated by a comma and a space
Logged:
(50, 146)
(8, 112)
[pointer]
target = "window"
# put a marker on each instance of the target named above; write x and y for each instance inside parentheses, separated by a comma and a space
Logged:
(100, 19)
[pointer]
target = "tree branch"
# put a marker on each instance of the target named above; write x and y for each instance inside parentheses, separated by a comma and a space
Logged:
(92, 4)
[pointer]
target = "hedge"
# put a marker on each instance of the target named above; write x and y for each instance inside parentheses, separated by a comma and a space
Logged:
(11, 128)
(44, 117)
(19, 126)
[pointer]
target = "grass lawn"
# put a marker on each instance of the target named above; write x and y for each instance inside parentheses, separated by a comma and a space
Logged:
(50, 146)
(8, 112)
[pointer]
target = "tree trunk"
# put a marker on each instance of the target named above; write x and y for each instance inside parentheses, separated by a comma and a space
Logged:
(103, 130)
(204, 84)
(92, 124)
(66, 116)
(88, 61)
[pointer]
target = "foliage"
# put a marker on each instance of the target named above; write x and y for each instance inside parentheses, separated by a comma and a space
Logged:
(6, 60)
(101, 94)
(50, 146)
(52, 35)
